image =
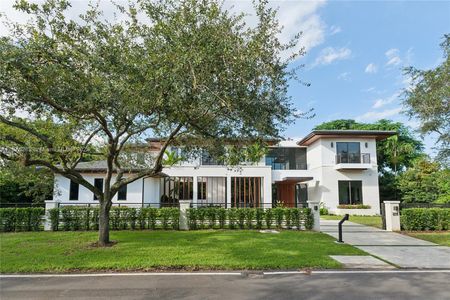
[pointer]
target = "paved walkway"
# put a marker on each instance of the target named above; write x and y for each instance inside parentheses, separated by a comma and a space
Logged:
(401, 250)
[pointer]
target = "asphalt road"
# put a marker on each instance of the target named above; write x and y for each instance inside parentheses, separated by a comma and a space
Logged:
(298, 286)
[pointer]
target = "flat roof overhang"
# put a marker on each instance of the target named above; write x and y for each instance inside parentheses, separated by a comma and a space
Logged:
(318, 134)
(289, 179)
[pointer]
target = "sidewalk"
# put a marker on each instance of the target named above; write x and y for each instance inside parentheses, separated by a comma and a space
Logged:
(399, 249)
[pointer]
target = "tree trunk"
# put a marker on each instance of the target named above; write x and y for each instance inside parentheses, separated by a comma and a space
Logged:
(103, 228)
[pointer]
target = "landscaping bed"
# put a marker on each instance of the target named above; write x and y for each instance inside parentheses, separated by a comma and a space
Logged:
(169, 250)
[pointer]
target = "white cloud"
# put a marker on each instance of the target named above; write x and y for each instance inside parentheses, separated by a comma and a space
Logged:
(393, 57)
(384, 101)
(335, 29)
(330, 54)
(377, 115)
(344, 76)
(368, 90)
(371, 68)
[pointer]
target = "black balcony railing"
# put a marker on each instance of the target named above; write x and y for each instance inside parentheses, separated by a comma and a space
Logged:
(353, 158)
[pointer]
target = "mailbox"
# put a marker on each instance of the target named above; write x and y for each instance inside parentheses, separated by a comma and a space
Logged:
(395, 210)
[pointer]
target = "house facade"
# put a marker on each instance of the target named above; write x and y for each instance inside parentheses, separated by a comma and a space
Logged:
(337, 168)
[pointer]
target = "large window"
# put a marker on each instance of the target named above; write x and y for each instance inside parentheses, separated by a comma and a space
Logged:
(122, 193)
(348, 152)
(286, 158)
(246, 191)
(98, 183)
(209, 160)
(350, 192)
(175, 189)
(74, 190)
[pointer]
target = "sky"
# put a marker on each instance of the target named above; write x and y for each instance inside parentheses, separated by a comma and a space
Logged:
(356, 51)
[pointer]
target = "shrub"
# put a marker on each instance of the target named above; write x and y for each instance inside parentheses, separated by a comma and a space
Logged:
(211, 214)
(268, 217)
(21, 219)
(222, 217)
(249, 215)
(165, 214)
(240, 215)
(192, 218)
(278, 214)
(94, 218)
(232, 218)
(353, 206)
(296, 217)
(201, 215)
(141, 217)
(152, 216)
(259, 216)
(425, 218)
(288, 217)
(308, 217)
(54, 218)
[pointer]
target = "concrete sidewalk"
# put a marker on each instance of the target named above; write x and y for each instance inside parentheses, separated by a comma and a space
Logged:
(401, 250)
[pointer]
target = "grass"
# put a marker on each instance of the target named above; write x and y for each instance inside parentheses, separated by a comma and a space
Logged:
(155, 250)
(374, 221)
(441, 238)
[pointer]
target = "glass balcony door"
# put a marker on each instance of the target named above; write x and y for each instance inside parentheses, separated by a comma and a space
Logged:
(348, 152)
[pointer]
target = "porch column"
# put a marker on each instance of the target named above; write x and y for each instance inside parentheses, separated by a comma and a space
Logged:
(314, 205)
(195, 191)
(228, 192)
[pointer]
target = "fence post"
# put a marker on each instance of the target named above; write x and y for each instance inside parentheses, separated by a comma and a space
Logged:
(49, 204)
(314, 205)
(392, 215)
(184, 205)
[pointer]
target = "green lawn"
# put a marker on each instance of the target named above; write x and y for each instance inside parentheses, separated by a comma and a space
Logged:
(441, 238)
(153, 250)
(374, 221)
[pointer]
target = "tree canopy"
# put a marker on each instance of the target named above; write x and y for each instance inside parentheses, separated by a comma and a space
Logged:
(427, 99)
(181, 70)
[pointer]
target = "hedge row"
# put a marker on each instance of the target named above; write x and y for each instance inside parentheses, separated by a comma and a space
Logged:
(120, 218)
(425, 218)
(249, 218)
(21, 219)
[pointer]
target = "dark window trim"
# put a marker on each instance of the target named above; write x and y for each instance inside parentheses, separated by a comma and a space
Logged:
(349, 183)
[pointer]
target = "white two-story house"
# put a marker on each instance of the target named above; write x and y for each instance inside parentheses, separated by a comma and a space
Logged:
(334, 167)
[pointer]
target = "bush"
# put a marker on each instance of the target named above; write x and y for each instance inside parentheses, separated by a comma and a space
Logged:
(240, 215)
(21, 219)
(222, 217)
(425, 219)
(268, 217)
(152, 216)
(192, 218)
(278, 214)
(211, 214)
(249, 215)
(354, 206)
(232, 218)
(259, 216)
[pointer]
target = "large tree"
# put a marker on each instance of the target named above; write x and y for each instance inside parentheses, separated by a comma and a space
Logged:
(394, 155)
(183, 70)
(428, 100)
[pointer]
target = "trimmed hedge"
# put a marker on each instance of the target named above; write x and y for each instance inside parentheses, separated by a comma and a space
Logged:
(418, 219)
(249, 218)
(21, 219)
(75, 218)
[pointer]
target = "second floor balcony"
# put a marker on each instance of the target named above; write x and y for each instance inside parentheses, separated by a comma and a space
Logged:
(353, 161)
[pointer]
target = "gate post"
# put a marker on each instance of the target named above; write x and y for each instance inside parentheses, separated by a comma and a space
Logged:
(314, 205)
(49, 204)
(184, 205)
(392, 215)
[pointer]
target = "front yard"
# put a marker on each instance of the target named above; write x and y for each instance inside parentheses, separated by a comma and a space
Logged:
(441, 238)
(374, 221)
(165, 250)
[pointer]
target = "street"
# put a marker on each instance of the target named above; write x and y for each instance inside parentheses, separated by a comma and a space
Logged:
(317, 285)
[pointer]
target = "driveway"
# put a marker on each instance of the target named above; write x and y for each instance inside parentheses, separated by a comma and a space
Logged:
(401, 250)
(346, 285)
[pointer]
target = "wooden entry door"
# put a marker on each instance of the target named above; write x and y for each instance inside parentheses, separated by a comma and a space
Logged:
(286, 193)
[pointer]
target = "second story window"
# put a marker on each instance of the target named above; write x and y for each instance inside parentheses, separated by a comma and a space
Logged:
(74, 190)
(208, 160)
(286, 158)
(348, 152)
(98, 183)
